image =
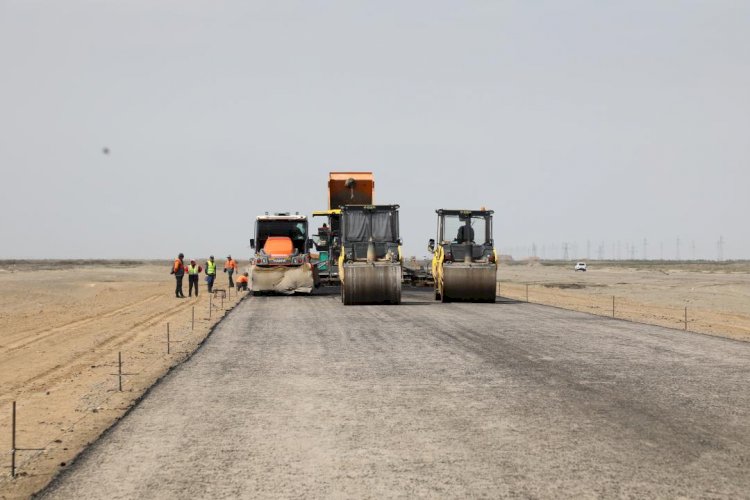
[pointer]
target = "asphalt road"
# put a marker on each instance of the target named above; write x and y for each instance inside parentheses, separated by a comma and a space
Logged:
(302, 397)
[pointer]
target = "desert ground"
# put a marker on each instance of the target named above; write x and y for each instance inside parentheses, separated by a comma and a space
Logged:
(62, 325)
(717, 295)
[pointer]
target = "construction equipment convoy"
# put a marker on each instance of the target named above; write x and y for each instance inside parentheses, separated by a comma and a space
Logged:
(282, 255)
(370, 255)
(359, 246)
(464, 262)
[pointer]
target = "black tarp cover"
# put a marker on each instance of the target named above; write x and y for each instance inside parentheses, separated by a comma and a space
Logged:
(360, 225)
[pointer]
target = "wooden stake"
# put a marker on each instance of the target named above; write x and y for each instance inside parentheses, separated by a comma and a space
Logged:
(13, 442)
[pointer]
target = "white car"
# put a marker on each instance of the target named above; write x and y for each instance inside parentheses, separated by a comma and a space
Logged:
(580, 266)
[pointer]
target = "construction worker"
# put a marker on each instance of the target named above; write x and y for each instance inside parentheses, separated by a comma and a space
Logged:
(194, 272)
(230, 266)
(210, 273)
(178, 269)
(465, 233)
(324, 232)
(242, 282)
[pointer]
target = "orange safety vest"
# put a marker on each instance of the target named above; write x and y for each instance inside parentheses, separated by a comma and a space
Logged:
(177, 266)
(242, 279)
(230, 264)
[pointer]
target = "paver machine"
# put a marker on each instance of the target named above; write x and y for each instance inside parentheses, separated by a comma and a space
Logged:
(464, 262)
(282, 260)
(370, 255)
(344, 188)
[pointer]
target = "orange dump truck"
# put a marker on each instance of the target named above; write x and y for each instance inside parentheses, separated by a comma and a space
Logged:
(282, 255)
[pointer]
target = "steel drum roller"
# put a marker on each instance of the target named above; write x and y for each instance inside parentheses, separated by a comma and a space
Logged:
(372, 283)
(469, 282)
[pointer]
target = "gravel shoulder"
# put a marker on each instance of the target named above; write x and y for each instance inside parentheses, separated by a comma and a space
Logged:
(301, 397)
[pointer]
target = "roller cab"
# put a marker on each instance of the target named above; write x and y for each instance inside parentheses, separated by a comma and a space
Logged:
(282, 260)
(370, 255)
(464, 262)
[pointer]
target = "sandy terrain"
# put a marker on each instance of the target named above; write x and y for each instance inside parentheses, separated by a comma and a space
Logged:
(717, 297)
(61, 328)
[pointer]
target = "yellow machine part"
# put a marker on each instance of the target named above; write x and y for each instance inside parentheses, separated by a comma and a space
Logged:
(282, 279)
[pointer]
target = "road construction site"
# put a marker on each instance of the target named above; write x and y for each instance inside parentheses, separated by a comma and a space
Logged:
(301, 397)
(59, 366)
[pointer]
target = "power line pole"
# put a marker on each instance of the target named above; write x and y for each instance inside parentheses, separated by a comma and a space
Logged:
(720, 248)
(645, 249)
(677, 250)
(565, 251)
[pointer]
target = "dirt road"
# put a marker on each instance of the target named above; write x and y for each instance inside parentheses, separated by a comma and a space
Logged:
(301, 397)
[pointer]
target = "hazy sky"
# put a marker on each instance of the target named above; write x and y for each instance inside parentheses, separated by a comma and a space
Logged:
(574, 120)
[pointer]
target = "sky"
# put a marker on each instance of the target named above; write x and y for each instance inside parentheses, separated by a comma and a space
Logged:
(612, 127)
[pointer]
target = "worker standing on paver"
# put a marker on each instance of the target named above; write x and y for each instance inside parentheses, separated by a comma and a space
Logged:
(178, 269)
(194, 271)
(230, 266)
(210, 273)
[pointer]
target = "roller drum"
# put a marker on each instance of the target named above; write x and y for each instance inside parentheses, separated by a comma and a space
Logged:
(469, 282)
(373, 283)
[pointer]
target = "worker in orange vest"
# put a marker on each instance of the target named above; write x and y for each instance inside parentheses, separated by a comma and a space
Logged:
(242, 282)
(230, 266)
(178, 269)
(194, 271)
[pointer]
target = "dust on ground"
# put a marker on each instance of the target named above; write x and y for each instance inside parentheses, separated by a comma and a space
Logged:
(716, 295)
(62, 324)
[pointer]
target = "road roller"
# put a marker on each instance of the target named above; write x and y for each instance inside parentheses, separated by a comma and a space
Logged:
(464, 261)
(370, 255)
(282, 256)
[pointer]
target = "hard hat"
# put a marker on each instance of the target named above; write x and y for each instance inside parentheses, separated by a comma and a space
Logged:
(192, 260)
(211, 257)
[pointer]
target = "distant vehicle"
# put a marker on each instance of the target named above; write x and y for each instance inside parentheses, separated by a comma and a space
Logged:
(580, 266)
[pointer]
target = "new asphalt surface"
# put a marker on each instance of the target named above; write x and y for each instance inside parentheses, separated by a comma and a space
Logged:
(303, 397)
